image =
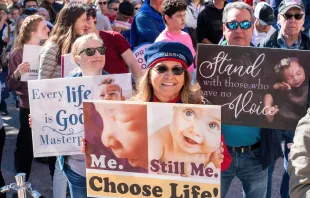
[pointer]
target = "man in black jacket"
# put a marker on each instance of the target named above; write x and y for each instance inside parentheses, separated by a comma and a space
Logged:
(209, 22)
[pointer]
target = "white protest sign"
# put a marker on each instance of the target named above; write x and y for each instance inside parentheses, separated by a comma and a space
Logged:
(56, 107)
(67, 65)
(31, 54)
(139, 54)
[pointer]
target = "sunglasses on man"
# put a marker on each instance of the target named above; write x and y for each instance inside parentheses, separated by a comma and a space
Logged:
(92, 51)
(289, 16)
(234, 25)
(102, 3)
(115, 9)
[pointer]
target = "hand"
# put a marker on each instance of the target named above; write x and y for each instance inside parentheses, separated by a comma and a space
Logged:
(217, 157)
(116, 29)
(270, 112)
(30, 120)
(21, 69)
(282, 86)
(83, 145)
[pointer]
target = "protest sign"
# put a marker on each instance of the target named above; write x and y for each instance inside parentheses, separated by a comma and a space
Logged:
(57, 111)
(68, 65)
(139, 54)
(31, 54)
(259, 87)
(152, 149)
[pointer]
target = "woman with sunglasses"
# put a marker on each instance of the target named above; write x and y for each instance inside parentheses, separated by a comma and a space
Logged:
(167, 80)
(89, 53)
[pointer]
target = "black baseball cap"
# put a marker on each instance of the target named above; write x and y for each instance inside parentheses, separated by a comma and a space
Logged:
(285, 5)
(264, 13)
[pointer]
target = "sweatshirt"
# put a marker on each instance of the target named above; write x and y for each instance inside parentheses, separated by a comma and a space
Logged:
(209, 24)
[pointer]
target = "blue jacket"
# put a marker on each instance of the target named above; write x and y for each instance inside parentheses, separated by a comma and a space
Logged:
(146, 26)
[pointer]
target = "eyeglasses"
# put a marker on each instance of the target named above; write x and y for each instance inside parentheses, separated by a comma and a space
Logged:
(115, 9)
(234, 25)
(175, 70)
(102, 3)
(296, 16)
(92, 51)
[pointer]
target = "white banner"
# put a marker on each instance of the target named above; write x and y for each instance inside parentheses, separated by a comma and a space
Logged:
(31, 54)
(57, 110)
(67, 65)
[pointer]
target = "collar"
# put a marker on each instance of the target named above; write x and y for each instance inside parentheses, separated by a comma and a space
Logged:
(172, 101)
(281, 41)
(155, 10)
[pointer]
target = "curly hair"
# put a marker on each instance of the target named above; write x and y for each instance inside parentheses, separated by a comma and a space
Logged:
(190, 94)
(29, 25)
(170, 7)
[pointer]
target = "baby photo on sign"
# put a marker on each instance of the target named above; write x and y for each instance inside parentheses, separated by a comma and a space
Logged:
(259, 87)
(290, 83)
(116, 136)
(183, 139)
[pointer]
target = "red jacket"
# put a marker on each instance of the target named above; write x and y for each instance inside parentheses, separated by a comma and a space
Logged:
(227, 158)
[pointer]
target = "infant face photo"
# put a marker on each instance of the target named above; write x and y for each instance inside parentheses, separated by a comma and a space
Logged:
(196, 130)
(294, 75)
(108, 90)
(125, 131)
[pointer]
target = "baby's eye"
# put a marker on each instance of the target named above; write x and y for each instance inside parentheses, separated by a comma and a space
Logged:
(112, 93)
(213, 125)
(190, 114)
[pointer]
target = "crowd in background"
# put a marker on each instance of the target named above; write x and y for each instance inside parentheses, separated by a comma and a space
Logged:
(121, 27)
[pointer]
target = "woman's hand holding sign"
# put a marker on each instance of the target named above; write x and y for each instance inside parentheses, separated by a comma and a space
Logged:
(21, 69)
(217, 156)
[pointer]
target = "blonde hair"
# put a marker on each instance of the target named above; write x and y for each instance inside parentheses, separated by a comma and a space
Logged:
(29, 25)
(190, 94)
(81, 41)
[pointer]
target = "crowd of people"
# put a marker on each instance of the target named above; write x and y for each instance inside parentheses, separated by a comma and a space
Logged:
(102, 36)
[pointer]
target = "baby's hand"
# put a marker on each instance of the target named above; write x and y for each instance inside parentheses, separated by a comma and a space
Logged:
(83, 145)
(30, 121)
(217, 157)
(282, 86)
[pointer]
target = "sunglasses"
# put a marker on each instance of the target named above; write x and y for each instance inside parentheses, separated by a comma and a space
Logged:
(234, 25)
(175, 70)
(296, 16)
(115, 9)
(92, 51)
(102, 3)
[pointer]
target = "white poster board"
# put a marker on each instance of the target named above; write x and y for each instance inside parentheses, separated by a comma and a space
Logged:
(67, 65)
(57, 110)
(31, 54)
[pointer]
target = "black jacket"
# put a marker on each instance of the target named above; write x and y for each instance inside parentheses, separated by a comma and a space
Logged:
(209, 24)
(272, 42)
